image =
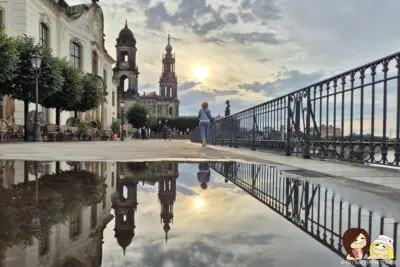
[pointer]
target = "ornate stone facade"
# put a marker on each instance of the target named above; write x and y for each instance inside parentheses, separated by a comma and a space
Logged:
(126, 73)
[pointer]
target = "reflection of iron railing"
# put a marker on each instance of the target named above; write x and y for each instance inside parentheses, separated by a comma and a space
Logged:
(314, 209)
(350, 116)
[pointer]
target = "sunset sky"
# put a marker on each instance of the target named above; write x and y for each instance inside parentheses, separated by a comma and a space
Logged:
(254, 50)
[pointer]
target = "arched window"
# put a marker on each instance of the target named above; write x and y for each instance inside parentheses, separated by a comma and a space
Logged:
(76, 54)
(75, 225)
(2, 18)
(93, 219)
(44, 243)
(44, 35)
(95, 63)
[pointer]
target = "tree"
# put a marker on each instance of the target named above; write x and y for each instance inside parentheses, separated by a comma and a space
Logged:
(71, 92)
(9, 58)
(136, 116)
(93, 88)
(22, 86)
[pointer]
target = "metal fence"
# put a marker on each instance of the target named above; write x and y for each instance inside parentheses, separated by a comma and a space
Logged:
(353, 116)
(316, 210)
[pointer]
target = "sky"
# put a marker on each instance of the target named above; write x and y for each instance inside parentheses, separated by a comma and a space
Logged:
(254, 50)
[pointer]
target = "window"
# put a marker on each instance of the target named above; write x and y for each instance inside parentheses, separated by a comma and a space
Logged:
(124, 56)
(105, 77)
(76, 55)
(44, 35)
(104, 199)
(95, 63)
(2, 18)
(112, 178)
(44, 242)
(93, 219)
(75, 225)
(113, 99)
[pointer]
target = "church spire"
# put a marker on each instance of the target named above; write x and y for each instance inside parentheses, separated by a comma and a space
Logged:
(126, 23)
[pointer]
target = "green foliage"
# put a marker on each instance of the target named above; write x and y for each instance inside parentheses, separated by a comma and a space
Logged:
(83, 125)
(22, 86)
(99, 124)
(9, 58)
(115, 126)
(136, 116)
(92, 97)
(71, 90)
(180, 123)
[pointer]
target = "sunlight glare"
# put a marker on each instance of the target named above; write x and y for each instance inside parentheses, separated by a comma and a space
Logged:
(201, 72)
(198, 203)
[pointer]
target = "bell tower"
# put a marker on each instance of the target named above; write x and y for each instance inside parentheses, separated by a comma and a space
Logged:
(124, 203)
(126, 72)
(168, 80)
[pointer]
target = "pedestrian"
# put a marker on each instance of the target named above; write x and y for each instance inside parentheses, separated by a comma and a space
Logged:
(203, 175)
(205, 119)
(165, 132)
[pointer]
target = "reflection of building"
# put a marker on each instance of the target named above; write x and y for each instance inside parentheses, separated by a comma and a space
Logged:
(126, 74)
(328, 130)
(77, 241)
(125, 199)
(124, 202)
(75, 32)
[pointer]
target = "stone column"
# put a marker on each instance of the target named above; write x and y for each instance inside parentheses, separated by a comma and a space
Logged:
(51, 116)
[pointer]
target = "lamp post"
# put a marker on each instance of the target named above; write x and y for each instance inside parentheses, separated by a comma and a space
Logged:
(122, 119)
(36, 60)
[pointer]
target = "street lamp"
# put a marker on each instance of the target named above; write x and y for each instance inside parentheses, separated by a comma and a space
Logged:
(122, 119)
(36, 60)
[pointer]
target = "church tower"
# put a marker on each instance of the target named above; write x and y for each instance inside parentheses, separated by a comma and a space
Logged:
(167, 195)
(168, 81)
(126, 71)
(124, 204)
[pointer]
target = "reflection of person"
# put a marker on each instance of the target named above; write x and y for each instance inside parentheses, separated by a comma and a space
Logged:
(355, 242)
(382, 248)
(203, 175)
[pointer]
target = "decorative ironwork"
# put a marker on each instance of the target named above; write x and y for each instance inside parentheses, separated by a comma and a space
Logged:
(316, 210)
(353, 116)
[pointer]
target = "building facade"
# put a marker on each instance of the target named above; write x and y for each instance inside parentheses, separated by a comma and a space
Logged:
(126, 75)
(72, 32)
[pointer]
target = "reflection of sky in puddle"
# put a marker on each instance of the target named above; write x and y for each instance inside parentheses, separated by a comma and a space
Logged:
(219, 226)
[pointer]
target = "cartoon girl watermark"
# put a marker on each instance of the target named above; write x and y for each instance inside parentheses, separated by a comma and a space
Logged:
(381, 249)
(355, 242)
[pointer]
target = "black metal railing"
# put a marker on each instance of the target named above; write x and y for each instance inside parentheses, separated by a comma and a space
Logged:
(316, 210)
(353, 116)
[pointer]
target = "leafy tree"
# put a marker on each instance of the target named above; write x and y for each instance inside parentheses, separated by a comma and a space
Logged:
(9, 58)
(93, 88)
(22, 86)
(136, 116)
(115, 126)
(71, 92)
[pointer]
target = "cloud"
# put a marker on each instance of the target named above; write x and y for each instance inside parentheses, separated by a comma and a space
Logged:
(285, 81)
(253, 37)
(262, 10)
(187, 85)
(263, 60)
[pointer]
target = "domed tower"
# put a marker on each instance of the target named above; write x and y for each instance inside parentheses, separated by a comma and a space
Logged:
(167, 196)
(126, 71)
(168, 80)
(124, 203)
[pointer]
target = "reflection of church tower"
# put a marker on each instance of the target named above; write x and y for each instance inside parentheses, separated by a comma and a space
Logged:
(166, 195)
(125, 204)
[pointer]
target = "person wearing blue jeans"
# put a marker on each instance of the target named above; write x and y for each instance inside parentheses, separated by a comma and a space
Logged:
(205, 119)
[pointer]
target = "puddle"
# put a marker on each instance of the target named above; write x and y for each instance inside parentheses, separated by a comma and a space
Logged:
(181, 214)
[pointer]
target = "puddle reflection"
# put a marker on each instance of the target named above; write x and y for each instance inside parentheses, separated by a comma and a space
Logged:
(56, 213)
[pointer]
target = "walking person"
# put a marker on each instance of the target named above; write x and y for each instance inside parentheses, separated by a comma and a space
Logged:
(205, 119)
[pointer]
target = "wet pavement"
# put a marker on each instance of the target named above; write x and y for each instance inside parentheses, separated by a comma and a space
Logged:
(183, 214)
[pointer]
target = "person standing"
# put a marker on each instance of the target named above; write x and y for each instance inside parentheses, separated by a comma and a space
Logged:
(203, 175)
(205, 119)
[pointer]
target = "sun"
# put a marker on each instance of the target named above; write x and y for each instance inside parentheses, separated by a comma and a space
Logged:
(201, 72)
(198, 203)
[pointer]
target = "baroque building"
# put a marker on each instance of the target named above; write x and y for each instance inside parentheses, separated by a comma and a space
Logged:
(75, 32)
(126, 74)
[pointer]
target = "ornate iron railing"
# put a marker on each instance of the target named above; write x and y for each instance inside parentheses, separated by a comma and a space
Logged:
(353, 116)
(316, 210)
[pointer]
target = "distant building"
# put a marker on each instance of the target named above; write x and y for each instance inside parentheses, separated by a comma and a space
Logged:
(126, 75)
(328, 130)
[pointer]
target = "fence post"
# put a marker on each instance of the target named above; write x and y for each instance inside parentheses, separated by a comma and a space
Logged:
(288, 127)
(236, 131)
(230, 128)
(253, 147)
(307, 130)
